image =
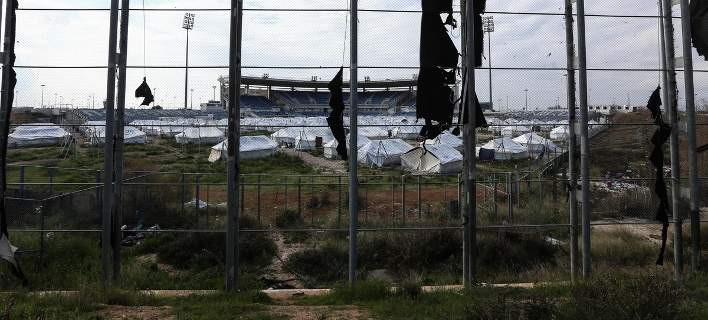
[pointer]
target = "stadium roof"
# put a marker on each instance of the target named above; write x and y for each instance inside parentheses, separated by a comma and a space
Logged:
(312, 84)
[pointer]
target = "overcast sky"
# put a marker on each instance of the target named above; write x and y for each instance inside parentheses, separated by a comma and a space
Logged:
(313, 39)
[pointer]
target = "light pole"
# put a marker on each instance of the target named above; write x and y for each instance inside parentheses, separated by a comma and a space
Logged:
(488, 27)
(526, 106)
(42, 101)
(214, 98)
(191, 98)
(187, 24)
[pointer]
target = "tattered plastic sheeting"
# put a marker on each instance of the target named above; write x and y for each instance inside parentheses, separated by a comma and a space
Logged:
(251, 147)
(308, 138)
(330, 149)
(374, 133)
(536, 144)
(382, 153)
(506, 149)
(208, 135)
(36, 135)
(406, 132)
(447, 139)
(560, 133)
(511, 131)
(97, 134)
(432, 159)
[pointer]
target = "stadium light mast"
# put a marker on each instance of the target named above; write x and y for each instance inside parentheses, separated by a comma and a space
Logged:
(187, 24)
(214, 97)
(42, 101)
(488, 27)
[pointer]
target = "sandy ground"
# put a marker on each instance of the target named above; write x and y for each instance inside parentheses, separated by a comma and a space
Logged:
(319, 162)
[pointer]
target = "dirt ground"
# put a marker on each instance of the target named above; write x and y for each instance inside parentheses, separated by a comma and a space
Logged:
(137, 313)
(319, 312)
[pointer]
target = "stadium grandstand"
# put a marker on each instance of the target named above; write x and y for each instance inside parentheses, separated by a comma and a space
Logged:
(263, 95)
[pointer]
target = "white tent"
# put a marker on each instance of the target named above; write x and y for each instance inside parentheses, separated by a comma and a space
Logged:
(307, 138)
(208, 135)
(447, 139)
(251, 147)
(406, 132)
(559, 133)
(286, 136)
(433, 159)
(511, 131)
(37, 134)
(97, 135)
(330, 149)
(536, 144)
(374, 133)
(506, 149)
(383, 152)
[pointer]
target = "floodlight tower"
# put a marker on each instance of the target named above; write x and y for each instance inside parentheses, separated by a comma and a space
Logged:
(488, 27)
(187, 24)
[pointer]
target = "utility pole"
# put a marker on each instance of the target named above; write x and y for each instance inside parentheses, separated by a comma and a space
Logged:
(42, 103)
(488, 26)
(214, 98)
(526, 93)
(187, 24)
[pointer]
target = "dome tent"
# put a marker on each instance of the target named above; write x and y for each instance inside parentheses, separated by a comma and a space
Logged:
(382, 153)
(200, 135)
(447, 139)
(251, 147)
(36, 135)
(286, 136)
(97, 135)
(510, 131)
(559, 133)
(506, 149)
(330, 149)
(432, 159)
(536, 144)
(307, 138)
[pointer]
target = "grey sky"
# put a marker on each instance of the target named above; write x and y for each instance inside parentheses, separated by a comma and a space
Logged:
(58, 38)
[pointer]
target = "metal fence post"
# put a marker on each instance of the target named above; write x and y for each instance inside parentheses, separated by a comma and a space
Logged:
(353, 170)
(196, 199)
(242, 199)
(691, 135)
(495, 209)
(286, 193)
(22, 181)
(234, 110)
(584, 139)
(470, 245)
(403, 198)
(183, 193)
(312, 197)
(50, 173)
(339, 201)
(672, 109)
(299, 196)
(510, 197)
(108, 145)
(258, 199)
(420, 204)
(119, 140)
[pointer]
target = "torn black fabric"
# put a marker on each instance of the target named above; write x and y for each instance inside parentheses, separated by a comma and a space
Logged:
(335, 121)
(435, 101)
(143, 91)
(659, 139)
(9, 77)
(654, 105)
(699, 26)
(436, 47)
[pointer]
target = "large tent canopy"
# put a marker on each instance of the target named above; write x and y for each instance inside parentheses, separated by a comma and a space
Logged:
(433, 159)
(382, 153)
(536, 144)
(95, 133)
(37, 134)
(251, 147)
(447, 139)
(506, 149)
(196, 135)
(330, 149)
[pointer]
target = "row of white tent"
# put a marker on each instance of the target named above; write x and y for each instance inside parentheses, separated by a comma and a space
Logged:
(562, 133)
(37, 135)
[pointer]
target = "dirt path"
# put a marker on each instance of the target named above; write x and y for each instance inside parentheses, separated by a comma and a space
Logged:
(137, 313)
(319, 312)
(319, 162)
(285, 250)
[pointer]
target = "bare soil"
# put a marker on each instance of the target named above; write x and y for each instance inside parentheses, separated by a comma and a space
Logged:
(319, 312)
(137, 313)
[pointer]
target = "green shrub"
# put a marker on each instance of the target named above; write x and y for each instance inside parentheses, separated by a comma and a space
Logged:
(322, 265)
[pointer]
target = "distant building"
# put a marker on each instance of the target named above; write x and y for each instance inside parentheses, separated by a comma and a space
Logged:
(212, 105)
(610, 109)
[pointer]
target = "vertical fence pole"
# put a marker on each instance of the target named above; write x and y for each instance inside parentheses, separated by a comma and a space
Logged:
(258, 200)
(672, 108)
(312, 197)
(584, 140)
(393, 199)
(420, 202)
(234, 109)
(510, 197)
(99, 207)
(22, 181)
(42, 234)
(119, 137)
(242, 199)
(494, 196)
(286, 193)
(470, 250)
(196, 199)
(108, 145)
(299, 196)
(183, 193)
(691, 133)
(339, 201)
(50, 172)
(353, 116)
(403, 199)
(206, 213)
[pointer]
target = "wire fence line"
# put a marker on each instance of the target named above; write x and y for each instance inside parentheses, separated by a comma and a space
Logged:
(404, 196)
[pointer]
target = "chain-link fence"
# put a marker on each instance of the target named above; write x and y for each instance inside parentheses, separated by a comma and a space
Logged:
(294, 189)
